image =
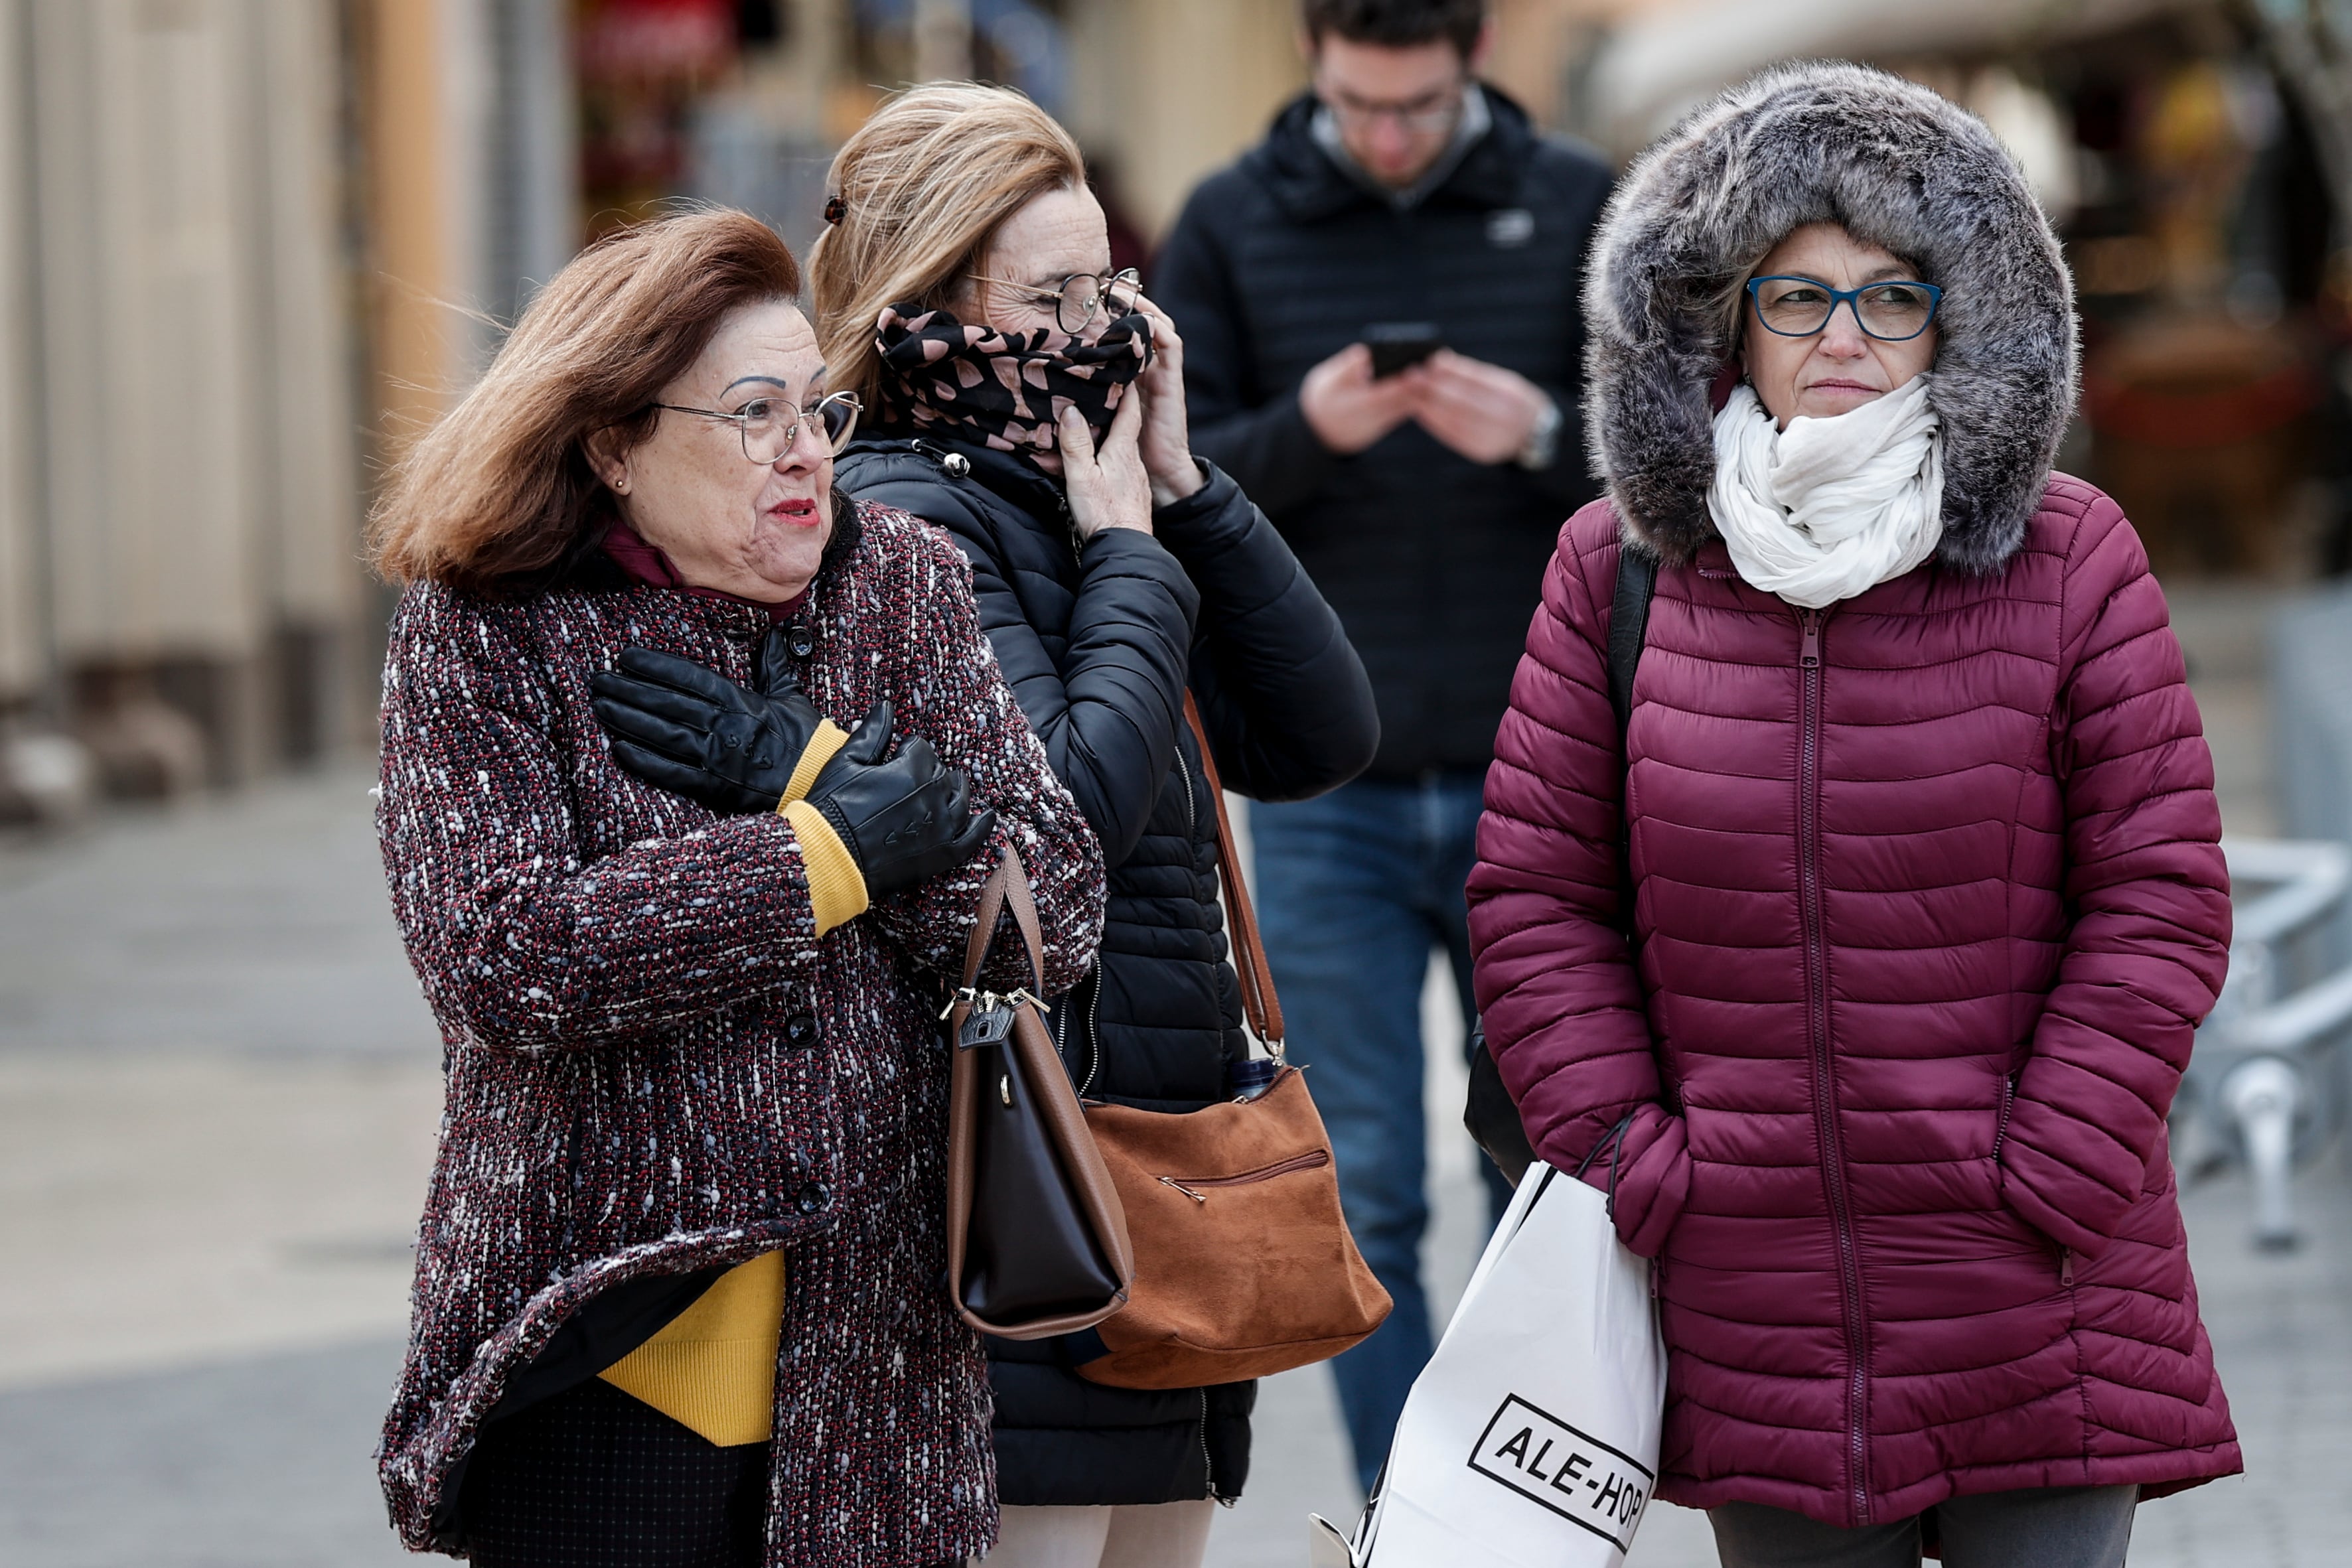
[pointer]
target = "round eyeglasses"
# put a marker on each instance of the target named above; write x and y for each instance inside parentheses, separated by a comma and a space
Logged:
(1082, 295)
(771, 424)
(1801, 306)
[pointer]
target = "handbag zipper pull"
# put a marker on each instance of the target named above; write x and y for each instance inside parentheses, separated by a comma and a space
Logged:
(1201, 1197)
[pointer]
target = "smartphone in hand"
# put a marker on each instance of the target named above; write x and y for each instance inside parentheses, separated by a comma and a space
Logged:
(1399, 345)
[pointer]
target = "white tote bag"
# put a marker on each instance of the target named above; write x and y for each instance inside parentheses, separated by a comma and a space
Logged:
(1531, 1438)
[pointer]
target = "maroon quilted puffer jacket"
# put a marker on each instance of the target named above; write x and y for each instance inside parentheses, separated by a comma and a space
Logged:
(1929, 899)
(1928, 903)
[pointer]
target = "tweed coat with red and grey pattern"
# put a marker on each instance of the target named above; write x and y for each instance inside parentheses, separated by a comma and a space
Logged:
(1927, 892)
(656, 1065)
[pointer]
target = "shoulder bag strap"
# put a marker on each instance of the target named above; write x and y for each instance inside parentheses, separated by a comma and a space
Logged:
(1258, 1000)
(1008, 884)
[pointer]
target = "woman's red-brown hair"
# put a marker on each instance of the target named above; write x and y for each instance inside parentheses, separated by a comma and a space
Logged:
(498, 494)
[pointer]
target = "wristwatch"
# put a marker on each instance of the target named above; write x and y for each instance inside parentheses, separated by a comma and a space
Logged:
(1543, 441)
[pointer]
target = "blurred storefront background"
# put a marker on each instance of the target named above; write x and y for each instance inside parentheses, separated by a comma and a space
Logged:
(248, 246)
(2195, 158)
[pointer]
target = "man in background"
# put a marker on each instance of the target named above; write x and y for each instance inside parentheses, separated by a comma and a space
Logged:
(1383, 343)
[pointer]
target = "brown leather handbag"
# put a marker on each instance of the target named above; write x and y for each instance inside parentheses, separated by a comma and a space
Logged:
(1037, 1244)
(1243, 1266)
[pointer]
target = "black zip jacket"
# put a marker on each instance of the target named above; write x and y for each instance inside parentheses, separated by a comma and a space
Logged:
(1098, 643)
(1432, 560)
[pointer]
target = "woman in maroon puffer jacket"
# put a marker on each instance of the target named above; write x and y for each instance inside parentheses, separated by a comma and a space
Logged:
(1928, 896)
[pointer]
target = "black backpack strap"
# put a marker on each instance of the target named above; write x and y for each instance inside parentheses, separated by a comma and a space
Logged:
(1629, 623)
(1490, 1113)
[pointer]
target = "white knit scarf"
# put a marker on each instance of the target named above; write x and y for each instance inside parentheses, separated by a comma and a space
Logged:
(1828, 508)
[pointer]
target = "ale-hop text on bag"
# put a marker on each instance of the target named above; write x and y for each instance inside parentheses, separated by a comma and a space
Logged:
(1572, 1473)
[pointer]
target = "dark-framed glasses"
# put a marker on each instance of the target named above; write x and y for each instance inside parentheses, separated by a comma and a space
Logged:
(1892, 312)
(771, 424)
(1425, 116)
(1081, 295)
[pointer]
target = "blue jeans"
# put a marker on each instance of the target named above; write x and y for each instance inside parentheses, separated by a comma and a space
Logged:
(1353, 890)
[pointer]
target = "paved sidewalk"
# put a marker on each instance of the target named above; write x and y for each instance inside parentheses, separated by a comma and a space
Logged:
(219, 1095)
(218, 1092)
(2281, 1329)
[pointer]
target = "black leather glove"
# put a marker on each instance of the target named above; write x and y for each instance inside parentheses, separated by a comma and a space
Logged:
(907, 820)
(696, 733)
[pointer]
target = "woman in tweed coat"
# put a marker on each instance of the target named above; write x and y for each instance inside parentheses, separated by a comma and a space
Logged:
(681, 1042)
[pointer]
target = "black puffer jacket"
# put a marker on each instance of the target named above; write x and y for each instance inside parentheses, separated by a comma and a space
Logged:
(1432, 560)
(1098, 643)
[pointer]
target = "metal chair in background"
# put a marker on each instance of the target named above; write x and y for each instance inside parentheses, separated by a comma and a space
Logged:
(2265, 1083)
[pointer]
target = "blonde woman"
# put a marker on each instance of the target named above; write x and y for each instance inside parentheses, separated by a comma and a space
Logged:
(678, 1299)
(1030, 400)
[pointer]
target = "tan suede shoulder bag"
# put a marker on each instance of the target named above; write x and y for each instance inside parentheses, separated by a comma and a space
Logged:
(1243, 1266)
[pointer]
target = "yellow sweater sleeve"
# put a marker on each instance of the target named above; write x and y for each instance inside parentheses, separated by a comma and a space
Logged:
(837, 887)
(822, 747)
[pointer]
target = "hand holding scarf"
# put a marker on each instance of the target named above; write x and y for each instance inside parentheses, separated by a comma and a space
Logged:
(1007, 388)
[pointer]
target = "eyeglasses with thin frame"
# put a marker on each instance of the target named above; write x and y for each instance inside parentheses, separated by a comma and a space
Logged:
(771, 424)
(1082, 294)
(1893, 312)
(1422, 116)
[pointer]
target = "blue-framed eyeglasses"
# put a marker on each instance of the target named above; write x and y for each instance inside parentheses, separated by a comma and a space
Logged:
(1892, 312)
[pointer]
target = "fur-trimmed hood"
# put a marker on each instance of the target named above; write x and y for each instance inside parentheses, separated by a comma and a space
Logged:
(1900, 167)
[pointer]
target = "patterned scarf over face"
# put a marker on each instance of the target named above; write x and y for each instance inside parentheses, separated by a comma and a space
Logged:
(1006, 388)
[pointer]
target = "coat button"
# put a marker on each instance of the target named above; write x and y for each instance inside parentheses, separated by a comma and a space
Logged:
(800, 1031)
(801, 641)
(813, 1197)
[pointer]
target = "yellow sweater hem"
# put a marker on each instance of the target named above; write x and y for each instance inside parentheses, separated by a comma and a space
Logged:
(712, 1368)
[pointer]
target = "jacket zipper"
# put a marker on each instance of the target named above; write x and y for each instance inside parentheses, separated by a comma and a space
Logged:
(2008, 1102)
(1094, 1039)
(1313, 1159)
(1825, 1111)
(1192, 806)
(1208, 1466)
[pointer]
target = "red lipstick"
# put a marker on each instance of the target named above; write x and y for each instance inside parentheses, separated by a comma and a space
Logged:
(800, 512)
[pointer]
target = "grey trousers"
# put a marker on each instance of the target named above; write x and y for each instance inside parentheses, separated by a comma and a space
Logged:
(2045, 1527)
